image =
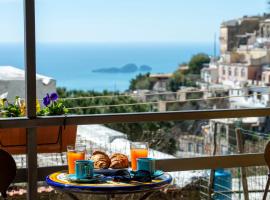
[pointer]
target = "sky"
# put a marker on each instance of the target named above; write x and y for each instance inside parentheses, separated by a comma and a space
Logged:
(124, 20)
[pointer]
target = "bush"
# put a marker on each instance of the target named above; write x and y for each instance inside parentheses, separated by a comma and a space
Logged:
(196, 63)
(141, 82)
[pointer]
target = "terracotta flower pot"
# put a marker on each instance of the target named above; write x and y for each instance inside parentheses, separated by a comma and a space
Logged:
(50, 139)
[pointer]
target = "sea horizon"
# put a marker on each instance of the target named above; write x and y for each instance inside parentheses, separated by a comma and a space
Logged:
(72, 64)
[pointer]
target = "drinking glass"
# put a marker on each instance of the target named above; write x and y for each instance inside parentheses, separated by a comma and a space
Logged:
(74, 153)
(138, 150)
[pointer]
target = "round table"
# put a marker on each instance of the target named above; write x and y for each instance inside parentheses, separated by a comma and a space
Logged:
(59, 181)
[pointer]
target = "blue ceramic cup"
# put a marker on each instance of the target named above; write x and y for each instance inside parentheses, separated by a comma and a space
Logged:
(146, 164)
(84, 169)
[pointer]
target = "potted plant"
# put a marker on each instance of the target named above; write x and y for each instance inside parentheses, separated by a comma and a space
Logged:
(49, 139)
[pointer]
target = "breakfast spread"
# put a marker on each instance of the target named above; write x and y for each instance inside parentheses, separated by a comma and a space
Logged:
(101, 167)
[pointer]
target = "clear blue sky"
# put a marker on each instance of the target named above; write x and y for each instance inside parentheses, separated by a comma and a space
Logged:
(124, 20)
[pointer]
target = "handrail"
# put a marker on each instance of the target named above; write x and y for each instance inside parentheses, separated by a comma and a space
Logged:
(211, 162)
(171, 165)
(132, 117)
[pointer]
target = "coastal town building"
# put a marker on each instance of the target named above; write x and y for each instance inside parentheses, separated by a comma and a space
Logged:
(238, 73)
(266, 77)
(243, 70)
(191, 144)
(162, 81)
(183, 68)
(210, 74)
(234, 33)
(244, 48)
(264, 29)
(250, 97)
(225, 130)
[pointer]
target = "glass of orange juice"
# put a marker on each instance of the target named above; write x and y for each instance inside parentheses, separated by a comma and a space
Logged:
(138, 150)
(74, 153)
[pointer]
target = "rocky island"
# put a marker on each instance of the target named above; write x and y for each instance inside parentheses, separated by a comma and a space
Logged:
(128, 68)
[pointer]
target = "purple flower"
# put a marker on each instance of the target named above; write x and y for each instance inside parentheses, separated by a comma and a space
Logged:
(46, 100)
(54, 96)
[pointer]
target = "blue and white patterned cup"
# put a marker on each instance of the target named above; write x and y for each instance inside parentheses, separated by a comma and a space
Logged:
(84, 169)
(146, 164)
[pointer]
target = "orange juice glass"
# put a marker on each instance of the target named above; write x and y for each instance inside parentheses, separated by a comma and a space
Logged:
(138, 150)
(74, 154)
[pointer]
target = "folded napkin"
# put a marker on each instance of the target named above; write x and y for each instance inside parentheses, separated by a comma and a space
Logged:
(107, 172)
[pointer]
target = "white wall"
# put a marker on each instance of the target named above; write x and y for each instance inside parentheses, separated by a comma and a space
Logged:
(17, 88)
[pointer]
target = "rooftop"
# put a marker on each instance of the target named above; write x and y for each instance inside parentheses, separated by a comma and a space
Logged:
(13, 73)
(165, 76)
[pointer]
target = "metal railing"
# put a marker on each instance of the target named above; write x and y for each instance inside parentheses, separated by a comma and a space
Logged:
(28, 122)
(32, 174)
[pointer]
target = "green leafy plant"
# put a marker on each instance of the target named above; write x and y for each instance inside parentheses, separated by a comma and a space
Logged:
(11, 110)
(53, 106)
(197, 62)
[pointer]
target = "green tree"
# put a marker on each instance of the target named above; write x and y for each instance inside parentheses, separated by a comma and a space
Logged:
(180, 78)
(177, 80)
(159, 135)
(142, 81)
(196, 63)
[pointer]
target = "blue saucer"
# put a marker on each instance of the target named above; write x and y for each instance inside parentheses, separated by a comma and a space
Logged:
(156, 174)
(96, 178)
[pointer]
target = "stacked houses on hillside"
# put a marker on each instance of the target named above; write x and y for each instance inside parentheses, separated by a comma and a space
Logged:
(243, 69)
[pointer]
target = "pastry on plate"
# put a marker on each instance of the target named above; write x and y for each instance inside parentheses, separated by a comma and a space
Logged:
(119, 161)
(101, 160)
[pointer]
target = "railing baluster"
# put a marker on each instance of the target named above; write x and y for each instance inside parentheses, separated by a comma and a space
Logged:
(212, 173)
(240, 145)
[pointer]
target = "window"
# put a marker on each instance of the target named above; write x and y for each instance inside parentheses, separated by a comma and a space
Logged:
(230, 71)
(190, 147)
(224, 70)
(224, 150)
(235, 71)
(259, 95)
(199, 148)
(243, 72)
(223, 131)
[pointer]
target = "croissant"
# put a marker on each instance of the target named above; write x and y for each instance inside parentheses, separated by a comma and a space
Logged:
(119, 161)
(101, 160)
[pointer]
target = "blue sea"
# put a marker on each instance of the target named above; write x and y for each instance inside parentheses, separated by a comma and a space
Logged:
(72, 64)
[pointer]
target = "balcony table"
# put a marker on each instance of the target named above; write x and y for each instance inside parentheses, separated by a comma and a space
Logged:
(59, 181)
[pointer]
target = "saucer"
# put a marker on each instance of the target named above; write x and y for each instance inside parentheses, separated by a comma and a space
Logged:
(156, 174)
(96, 178)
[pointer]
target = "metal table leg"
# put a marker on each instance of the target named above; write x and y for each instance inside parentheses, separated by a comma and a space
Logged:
(148, 194)
(266, 188)
(71, 196)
